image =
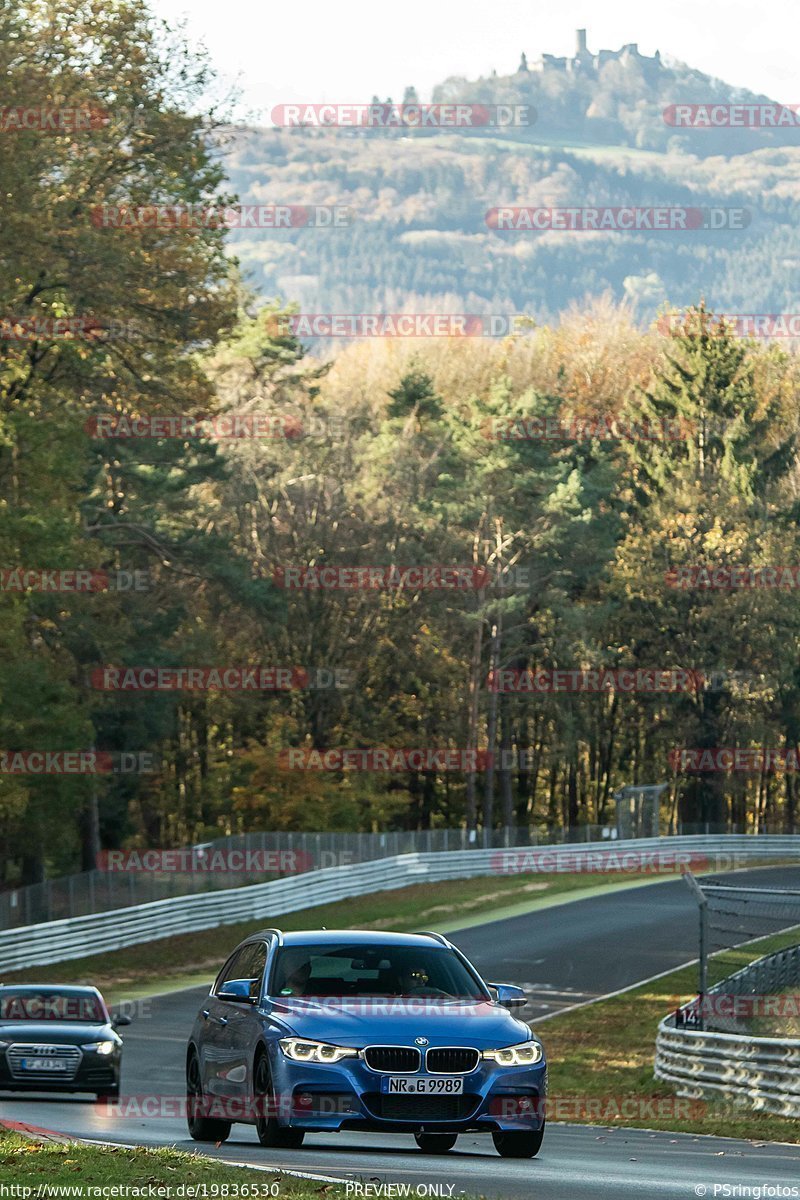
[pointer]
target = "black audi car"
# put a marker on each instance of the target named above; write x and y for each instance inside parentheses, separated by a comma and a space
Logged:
(58, 1039)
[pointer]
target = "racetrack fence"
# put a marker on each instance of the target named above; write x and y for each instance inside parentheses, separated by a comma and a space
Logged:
(74, 937)
(274, 855)
(730, 916)
(762, 1072)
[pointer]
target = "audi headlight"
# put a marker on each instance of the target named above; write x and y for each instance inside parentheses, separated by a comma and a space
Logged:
(301, 1050)
(526, 1054)
(4, 1046)
(100, 1047)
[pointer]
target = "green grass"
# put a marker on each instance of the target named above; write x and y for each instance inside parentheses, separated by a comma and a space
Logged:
(606, 1050)
(31, 1162)
(194, 958)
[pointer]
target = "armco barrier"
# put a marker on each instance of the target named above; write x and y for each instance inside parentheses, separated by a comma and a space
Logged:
(288, 852)
(58, 941)
(761, 1072)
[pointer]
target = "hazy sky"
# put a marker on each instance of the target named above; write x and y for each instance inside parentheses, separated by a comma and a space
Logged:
(316, 51)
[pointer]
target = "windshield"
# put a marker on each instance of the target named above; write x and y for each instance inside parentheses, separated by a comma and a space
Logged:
(347, 970)
(24, 1005)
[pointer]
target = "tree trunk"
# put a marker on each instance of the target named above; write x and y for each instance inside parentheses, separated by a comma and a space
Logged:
(491, 737)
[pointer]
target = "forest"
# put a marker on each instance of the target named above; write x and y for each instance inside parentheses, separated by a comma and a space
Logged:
(240, 578)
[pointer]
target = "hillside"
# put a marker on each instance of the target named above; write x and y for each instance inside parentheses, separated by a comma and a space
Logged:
(419, 239)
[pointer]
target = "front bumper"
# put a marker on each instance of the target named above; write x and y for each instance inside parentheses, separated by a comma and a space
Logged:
(347, 1095)
(94, 1073)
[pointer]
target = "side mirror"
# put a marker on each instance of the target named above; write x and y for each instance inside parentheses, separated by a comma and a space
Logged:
(238, 991)
(507, 995)
(119, 1019)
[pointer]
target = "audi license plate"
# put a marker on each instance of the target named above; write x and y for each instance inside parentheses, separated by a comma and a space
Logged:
(44, 1064)
(422, 1085)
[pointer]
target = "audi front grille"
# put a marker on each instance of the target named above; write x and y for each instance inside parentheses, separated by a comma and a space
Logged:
(71, 1055)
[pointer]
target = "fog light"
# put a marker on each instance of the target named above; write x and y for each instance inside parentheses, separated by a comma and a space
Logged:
(509, 1107)
(323, 1104)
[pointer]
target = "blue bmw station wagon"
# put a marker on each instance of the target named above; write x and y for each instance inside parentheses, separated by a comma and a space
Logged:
(320, 1031)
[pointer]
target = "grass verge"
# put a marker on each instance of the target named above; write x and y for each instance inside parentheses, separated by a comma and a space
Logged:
(601, 1056)
(31, 1161)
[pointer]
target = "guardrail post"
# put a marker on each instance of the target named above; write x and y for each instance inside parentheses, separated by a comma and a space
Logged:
(703, 915)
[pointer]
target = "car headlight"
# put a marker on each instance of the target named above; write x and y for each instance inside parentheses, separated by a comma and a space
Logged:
(525, 1054)
(4, 1046)
(301, 1050)
(100, 1047)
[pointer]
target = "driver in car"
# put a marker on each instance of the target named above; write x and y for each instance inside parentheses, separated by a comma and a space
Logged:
(297, 981)
(415, 981)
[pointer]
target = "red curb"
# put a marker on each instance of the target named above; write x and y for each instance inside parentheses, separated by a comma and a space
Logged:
(23, 1127)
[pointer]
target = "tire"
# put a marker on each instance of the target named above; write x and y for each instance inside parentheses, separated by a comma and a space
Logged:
(270, 1133)
(435, 1143)
(201, 1129)
(519, 1145)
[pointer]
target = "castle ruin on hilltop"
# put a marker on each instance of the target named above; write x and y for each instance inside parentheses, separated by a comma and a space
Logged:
(587, 63)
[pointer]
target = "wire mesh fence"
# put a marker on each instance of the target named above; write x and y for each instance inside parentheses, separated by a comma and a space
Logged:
(736, 994)
(134, 877)
(212, 865)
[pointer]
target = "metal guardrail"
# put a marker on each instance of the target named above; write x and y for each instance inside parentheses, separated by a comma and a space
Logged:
(58, 941)
(97, 891)
(87, 892)
(763, 1072)
(767, 976)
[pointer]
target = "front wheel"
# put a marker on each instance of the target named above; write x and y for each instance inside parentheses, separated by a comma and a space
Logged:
(519, 1145)
(270, 1133)
(202, 1129)
(435, 1143)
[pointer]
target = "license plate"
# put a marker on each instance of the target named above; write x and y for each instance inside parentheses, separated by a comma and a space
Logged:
(422, 1085)
(44, 1064)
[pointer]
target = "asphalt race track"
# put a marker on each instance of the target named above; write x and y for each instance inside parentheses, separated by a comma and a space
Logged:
(561, 955)
(579, 951)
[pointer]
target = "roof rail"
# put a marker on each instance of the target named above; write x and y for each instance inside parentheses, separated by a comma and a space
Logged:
(429, 933)
(263, 933)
